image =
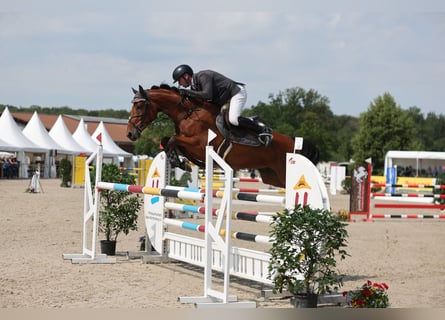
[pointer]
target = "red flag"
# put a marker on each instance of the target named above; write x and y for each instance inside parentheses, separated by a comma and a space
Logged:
(99, 137)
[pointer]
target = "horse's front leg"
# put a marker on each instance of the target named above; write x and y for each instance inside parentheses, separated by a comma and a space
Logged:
(169, 145)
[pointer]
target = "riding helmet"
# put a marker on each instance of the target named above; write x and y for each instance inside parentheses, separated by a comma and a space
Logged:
(180, 71)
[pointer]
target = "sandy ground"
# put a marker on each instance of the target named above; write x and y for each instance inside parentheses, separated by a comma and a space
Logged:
(37, 229)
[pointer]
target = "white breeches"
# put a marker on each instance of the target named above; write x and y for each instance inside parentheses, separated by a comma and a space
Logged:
(237, 104)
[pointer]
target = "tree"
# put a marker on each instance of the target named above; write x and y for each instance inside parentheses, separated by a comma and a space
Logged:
(346, 128)
(383, 127)
(297, 112)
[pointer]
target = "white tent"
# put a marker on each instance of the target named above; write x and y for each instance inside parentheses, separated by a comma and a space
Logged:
(12, 134)
(60, 134)
(83, 138)
(37, 133)
(101, 135)
(4, 146)
(108, 142)
(423, 163)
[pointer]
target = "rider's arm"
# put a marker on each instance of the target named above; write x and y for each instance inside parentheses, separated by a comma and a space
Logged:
(202, 88)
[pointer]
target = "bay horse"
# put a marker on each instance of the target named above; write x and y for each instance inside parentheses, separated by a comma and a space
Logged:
(192, 119)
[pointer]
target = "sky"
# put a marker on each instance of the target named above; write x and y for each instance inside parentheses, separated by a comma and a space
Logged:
(89, 54)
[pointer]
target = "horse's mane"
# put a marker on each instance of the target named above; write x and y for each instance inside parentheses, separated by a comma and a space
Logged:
(214, 108)
(164, 86)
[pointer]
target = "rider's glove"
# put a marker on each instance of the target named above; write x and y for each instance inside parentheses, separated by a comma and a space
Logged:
(184, 93)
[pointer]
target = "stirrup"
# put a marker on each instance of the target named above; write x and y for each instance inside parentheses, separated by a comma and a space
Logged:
(265, 138)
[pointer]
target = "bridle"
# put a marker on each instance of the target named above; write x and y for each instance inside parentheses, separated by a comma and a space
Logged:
(140, 126)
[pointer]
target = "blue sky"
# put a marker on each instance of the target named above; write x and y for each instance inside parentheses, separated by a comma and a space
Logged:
(88, 54)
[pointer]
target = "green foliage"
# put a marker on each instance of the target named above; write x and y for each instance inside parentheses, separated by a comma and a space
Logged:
(149, 141)
(297, 112)
(385, 126)
(346, 185)
(118, 211)
(65, 170)
(306, 242)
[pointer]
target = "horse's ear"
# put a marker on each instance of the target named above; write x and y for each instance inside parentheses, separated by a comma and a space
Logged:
(134, 90)
(143, 92)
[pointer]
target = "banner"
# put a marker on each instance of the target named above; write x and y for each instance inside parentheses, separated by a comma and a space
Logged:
(360, 185)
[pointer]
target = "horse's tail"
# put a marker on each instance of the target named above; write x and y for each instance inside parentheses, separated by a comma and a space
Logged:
(310, 151)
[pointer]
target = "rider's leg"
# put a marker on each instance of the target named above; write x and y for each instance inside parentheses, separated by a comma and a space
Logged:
(264, 133)
(237, 104)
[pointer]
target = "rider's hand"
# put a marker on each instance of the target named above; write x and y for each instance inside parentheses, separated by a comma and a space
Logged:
(184, 93)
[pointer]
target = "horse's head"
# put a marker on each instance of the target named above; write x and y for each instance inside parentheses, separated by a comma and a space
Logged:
(148, 103)
(140, 115)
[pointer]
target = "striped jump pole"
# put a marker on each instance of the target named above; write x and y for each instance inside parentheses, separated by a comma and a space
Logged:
(185, 193)
(409, 206)
(240, 179)
(234, 234)
(238, 215)
(251, 197)
(407, 216)
(408, 195)
(254, 190)
(180, 193)
(408, 185)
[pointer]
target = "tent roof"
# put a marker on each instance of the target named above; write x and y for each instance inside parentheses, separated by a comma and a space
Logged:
(107, 142)
(60, 133)
(83, 138)
(36, 132)
(14, 136)
(435, 155)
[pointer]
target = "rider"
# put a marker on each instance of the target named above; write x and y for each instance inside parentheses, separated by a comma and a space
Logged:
(218, 89)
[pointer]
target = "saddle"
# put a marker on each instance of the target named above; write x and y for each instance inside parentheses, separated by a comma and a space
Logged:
(233, 133)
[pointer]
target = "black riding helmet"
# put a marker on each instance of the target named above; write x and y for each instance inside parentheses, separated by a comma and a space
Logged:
(180, 71)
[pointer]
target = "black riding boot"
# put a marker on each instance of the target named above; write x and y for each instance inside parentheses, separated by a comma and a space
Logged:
(264, 133)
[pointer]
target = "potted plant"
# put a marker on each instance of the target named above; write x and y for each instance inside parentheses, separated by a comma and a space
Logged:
(118, 211)
(306, 242)
(65, 169)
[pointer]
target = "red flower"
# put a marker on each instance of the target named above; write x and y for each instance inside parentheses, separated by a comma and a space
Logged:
(369, 283)
(366, 292)
(378, 285)
(385, 285)
(360, 302)
(345, 293)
